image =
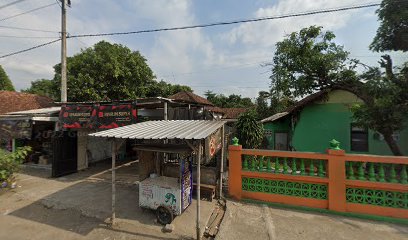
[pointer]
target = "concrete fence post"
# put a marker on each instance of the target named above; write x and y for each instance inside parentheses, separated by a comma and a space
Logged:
(337, 180)
(234, 174)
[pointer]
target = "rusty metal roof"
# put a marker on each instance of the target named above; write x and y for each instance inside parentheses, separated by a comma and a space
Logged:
(176, 129)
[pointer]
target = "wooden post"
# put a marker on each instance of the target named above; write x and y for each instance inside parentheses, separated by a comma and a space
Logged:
(13, 145)
(200, 150)
(234, 174)
(113, 182)
(222, 161)
(337, 180)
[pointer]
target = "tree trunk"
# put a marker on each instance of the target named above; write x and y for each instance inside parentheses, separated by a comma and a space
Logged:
(392, 144)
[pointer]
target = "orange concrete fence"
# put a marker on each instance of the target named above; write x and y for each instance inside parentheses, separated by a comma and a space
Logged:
(364, 184)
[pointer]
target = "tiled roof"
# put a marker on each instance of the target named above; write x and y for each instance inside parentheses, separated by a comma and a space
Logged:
(189, 97)
(233, 113)
(298, 105)
(228, 113)
(16, 101)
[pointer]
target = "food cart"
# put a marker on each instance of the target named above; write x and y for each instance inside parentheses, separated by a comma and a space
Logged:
(158, 192)
(169, 196)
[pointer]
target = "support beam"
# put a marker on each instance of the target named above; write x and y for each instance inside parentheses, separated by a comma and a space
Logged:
(114, 150)
(222, 161)
(200, 150)
(165, 111)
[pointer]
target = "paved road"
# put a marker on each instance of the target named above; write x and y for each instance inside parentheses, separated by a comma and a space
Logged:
(252, 221)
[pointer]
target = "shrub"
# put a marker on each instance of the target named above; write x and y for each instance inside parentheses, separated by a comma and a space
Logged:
(10, 163)
(249, 130)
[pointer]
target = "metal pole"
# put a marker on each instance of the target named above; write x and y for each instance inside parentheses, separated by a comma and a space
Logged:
(222, 161)
(198, 190)
(113, 182)
(165, 111)
(166, 117)
(63, 52)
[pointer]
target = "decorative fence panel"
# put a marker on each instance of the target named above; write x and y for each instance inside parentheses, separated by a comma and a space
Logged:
(376, 185)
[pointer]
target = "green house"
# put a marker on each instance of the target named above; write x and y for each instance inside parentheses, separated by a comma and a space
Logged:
(312, 122)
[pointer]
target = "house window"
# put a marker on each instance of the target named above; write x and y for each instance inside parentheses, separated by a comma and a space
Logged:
(359, 139)
(268, 133)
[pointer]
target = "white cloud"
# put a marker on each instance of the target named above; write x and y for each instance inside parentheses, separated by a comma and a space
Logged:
(225, 62)
(267, 33)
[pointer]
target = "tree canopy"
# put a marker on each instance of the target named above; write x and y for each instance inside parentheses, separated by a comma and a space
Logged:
(106, 72)
(231, 101)
(309, 60)
(45, 87)
(392, 35)
(388, 112)
(5, 82)
(249, 130)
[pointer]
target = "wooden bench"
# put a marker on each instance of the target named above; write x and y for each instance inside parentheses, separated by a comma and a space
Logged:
(206, 191)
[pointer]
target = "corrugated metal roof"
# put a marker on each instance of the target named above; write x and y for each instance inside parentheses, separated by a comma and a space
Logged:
(38, 111)
(176, 129)
(274, 117)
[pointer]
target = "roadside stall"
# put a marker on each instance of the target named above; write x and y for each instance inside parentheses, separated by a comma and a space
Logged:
(169, 196)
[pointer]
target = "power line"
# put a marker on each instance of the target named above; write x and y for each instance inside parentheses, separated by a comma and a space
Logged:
(31, 48)
(12, 36)
(230, 22)
(12, 3)
(30, 11)
(194, 26)
(28, 29)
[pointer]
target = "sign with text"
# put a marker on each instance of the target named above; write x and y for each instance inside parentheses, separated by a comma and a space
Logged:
(10, 129)
(113, 116)
(75, 116)
(98, 116)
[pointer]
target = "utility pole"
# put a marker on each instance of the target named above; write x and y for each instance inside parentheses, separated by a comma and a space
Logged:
(63, 51)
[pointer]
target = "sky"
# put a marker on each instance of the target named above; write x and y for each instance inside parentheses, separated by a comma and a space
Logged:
(224, 59)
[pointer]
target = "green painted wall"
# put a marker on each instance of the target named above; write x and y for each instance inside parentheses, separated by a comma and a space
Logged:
(281, 125)
(322, 121)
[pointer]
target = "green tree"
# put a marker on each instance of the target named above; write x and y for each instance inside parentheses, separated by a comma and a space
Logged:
(231, 101)
(262, 108)
(392, 35)
(44, 87)
(164, 89)
(106, 71)
(5, 82)
(388, 112)
(309, 61)
(249, 130)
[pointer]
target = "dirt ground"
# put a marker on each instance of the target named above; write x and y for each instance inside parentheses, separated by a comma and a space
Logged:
(78, 207)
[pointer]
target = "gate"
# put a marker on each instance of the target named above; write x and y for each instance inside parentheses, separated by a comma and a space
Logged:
(64, 159)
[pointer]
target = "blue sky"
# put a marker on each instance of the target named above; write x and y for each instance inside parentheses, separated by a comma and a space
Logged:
(225, 59)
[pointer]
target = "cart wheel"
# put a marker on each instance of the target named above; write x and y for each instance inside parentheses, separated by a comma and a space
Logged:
(164, 215)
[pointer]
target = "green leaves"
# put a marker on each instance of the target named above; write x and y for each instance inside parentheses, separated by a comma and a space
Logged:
(106, 72)
(5, 82)
(249, 130)
(10, 162)
(392, 35)
(309, 60)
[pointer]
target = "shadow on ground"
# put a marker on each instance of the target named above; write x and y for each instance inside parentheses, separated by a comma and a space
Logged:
(81, 203)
